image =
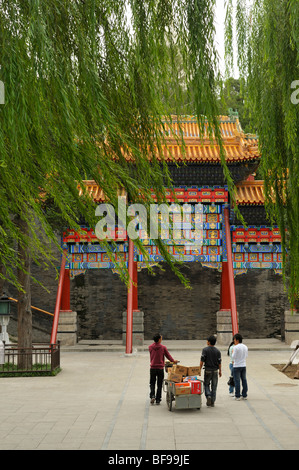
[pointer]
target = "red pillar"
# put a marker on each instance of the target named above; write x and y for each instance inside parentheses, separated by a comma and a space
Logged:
(224, 288)
(58, 299)
(230, 273)
(129, 333)
(135, 286)
(66, 293)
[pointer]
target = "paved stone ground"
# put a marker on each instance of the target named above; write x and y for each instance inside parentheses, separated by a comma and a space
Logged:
(100, 401)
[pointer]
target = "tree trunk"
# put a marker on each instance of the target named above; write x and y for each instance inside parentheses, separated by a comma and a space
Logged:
(24, 303)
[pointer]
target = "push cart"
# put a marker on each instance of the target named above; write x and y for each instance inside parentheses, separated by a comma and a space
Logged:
(190, 400)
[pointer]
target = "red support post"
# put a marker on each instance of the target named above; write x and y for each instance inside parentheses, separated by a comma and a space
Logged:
(66, 293)
(135, 286)
(224, 291)
(58, 299)
(129, 333)
(230, 269)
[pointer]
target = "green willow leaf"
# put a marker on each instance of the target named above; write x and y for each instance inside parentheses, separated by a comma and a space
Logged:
(86, 84)
(269, 64)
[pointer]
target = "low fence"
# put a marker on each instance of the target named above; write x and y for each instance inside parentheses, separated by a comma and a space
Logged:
(40, 359)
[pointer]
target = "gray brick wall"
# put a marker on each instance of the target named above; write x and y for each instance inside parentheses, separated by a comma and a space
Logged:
(99, 297)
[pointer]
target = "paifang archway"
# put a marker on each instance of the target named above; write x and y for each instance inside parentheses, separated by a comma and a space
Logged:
(197, 178)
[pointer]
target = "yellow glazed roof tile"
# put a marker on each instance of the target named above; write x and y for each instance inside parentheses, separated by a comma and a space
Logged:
(238, 147)
(248, 192)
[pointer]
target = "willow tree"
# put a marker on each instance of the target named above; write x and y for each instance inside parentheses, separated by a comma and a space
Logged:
(268, 58)
(88, 83)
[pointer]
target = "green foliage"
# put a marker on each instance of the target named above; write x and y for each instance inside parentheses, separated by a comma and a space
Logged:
(234, 96)
(268, 46)
(86, 84)
(38, 370)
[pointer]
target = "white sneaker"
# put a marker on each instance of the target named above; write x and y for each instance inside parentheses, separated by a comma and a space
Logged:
(238, 399)
(231, 394)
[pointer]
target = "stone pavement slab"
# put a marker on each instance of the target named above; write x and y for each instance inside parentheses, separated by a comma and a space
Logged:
(100, 401)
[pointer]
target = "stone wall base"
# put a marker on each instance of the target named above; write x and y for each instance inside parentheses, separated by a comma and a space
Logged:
(138, 328)
(67, 328)
(224, 327)
(291, 326)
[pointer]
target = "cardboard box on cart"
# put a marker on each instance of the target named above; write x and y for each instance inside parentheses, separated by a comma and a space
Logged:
(193, 370)
(174, 376)
(180, 370)
(195, 386)
(182, 388)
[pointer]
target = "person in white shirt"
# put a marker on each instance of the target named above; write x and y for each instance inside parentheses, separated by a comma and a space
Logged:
(239, 356)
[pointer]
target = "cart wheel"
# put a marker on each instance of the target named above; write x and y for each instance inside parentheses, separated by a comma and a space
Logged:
(169, 400)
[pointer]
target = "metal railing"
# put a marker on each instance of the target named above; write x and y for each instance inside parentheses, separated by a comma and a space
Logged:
(40, 359)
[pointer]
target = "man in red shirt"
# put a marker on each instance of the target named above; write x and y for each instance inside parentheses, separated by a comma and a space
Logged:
(157, 353)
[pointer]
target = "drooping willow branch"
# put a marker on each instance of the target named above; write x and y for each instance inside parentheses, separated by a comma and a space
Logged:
(88, 80)
(268, 52)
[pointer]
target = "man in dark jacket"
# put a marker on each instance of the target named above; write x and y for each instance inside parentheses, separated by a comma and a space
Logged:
(211, 358)
(157, 353)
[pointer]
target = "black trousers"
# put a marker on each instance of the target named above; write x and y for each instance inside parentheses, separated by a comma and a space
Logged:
(156, 376)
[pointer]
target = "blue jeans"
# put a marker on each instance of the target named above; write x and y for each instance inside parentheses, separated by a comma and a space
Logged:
(210, 384)
(231, 388)
(240, 376)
